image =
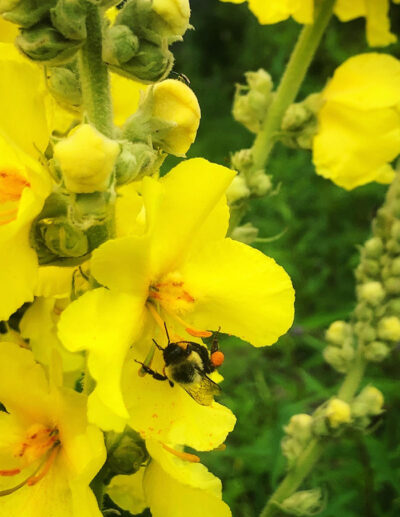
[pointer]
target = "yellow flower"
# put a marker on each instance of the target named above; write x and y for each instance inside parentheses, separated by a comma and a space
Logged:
(86, 159)
(274, 11)
(359, 125)
(8, 31)
(175, 15)
(376, 13)
(180, 270)
(49, 454)
(170, 487)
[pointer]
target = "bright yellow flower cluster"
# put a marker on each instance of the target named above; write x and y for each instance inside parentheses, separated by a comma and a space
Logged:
(376, 13)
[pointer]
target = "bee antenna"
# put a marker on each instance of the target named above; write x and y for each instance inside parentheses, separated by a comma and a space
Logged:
(157, 345)
(166, 331)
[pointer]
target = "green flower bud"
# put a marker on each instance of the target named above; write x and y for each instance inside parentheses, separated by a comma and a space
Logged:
(393, 306)
(376, 351)
(371, 267)
(392, 285)
(45, 44)
(64, 85)
(371, 292)
(373, 247)
(291, 449)
(134, 161)
(126, 452)
(389, 328)
(395, 266)
(300, 426)
(364, 331)
(119, 45)
(246, 233)
(69, 18)
(303, 503)
(393, 246)
(299, 125)
(363, 313)
(237, 190)
(339, 358)
(242, 160)
(251, 101)
(260, 183)
(152, 63)
(61, 238)
(368, 403)
(395, 230)
(25, 13)
(338, 332)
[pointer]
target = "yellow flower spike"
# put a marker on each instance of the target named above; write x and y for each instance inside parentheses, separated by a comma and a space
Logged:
(49, 453)
(237, 289)
(175, 487)
(359, 125)
(86, 159)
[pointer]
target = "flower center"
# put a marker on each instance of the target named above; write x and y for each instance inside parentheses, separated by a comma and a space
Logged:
(12, 184)
(171, 295)
(40, 445)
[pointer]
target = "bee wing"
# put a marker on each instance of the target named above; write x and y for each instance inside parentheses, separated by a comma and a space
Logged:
(203, 392)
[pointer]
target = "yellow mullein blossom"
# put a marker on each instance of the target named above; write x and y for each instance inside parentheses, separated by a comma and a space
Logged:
(376, 13)
(274, 11)
(181, 270)
(8, 31)
(170, 487)
(48, 452)
(359, 124)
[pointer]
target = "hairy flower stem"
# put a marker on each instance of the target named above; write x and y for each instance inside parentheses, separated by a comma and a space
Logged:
(296, 69)
(94, 75)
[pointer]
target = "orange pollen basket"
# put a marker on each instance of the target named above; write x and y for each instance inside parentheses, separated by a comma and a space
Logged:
(41, 443)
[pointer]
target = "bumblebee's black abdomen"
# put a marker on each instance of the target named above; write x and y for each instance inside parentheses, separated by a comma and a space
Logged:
(184, 373)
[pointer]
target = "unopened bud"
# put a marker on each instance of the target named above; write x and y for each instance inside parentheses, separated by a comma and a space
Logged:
(86, 159)
(260, 183)
(365, 332)
(373, 247)
(25, 13)
(338, 412)
(393, 306)
(389, 328)
(45, 44)
(368, 403)
(376, 351)
(395, 266)
(392, 285)
(126, 452)
(299, 124)
(172, 20)
(300, 426)
(64, 85)
(246, 233)
(237, 190)
(251, 101)
(69, 17)
(339, 358)
(393, 246)
(120, 45)
(303, 503)
(371, 292)
(338, 332)
(395, 230)
(134, 161)
(61, 238)
(363, 312)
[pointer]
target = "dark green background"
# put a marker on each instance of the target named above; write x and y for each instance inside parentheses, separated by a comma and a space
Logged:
(359, 474)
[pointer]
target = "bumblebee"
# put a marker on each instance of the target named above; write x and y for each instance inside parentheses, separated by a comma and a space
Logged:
(187, 364)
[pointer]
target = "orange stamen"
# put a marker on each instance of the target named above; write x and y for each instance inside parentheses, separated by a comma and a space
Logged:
(11, 472)
(49, 462)
(190, 330)
(182, 455)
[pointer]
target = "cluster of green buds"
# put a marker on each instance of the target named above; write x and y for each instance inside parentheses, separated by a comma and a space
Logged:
(252, 100)
(298, 434)
(303, 503)
(136, 44)
(51, 31)
(375, 322)
(300, 123)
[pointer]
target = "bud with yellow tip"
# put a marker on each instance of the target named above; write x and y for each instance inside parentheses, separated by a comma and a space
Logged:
(86, 159)
(338, 332)
(338, 412)
(389, 328)
(371, 292)
(368, 403)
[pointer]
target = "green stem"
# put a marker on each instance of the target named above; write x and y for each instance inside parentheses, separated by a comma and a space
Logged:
(300, 60)
(94, 75)
(314, 450)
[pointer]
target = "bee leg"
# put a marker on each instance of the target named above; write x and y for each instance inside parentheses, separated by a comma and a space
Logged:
(171, 383)
(153, 373)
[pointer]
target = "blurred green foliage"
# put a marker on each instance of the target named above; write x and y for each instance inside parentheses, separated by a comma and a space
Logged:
(324, 224)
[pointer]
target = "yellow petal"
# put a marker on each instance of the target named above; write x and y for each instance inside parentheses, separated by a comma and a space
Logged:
(167, 497)
(125, 97)
(127, 492)
(105, 324)
(38, 325)
(277, 10)
(190, 192)
(347, 10)
(367, 81)
(23, 110)
(127, 208)
(352, 146)
(170, 414)
(240, 290)
(54, 281)
(378, 23)
(8, 31)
